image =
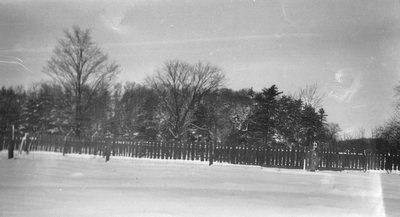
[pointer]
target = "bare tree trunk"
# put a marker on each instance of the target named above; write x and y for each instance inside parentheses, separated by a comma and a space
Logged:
(78, 118)
(11, 145)
(78, 108)
(213, 145)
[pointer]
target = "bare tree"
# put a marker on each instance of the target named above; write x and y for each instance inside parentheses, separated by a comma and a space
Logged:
(333, 130)
(390, 130)
(360, 134)
(79, 66)
(310, 96)
(181, 86)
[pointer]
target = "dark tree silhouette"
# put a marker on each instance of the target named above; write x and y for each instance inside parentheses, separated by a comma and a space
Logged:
(180, 86)
(264, 118)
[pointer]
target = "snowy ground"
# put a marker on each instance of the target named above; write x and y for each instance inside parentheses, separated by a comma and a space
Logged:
(48, 184)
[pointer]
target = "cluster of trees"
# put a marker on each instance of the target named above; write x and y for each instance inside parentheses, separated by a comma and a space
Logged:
(167, 113)
(389, 133)
(181, 101)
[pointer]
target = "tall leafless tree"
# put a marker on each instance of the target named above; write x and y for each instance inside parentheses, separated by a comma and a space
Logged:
(80, 66)
(180, 87)
(310, 96)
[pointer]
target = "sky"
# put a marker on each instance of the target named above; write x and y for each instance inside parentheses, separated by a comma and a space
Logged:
(350, 49)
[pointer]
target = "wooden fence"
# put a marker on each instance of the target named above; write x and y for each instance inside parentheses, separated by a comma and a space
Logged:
(283, 157)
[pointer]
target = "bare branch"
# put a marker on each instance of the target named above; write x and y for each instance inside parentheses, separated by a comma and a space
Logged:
(310, 96)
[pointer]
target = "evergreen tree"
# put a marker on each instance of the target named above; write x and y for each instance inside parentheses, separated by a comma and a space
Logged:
(289, 120)
(264, 118)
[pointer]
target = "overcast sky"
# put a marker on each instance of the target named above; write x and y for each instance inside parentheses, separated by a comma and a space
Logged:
(350, 48)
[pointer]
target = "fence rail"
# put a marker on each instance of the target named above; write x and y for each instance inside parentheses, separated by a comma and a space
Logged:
(282, 157)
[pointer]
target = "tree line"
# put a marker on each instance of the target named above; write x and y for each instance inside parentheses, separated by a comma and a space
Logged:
(181, 101)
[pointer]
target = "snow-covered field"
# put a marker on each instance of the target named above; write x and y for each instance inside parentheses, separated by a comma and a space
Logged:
(48, 184)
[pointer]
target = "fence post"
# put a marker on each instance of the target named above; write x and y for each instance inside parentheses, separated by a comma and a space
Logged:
(11, 144)
(206, 150)
(211, 152)
(193, 147)
(158, 150)
(64, 146)
(162, 149)
(304, 158)
(168, 150)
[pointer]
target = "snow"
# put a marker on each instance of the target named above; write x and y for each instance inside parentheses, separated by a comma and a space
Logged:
(48, 184)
